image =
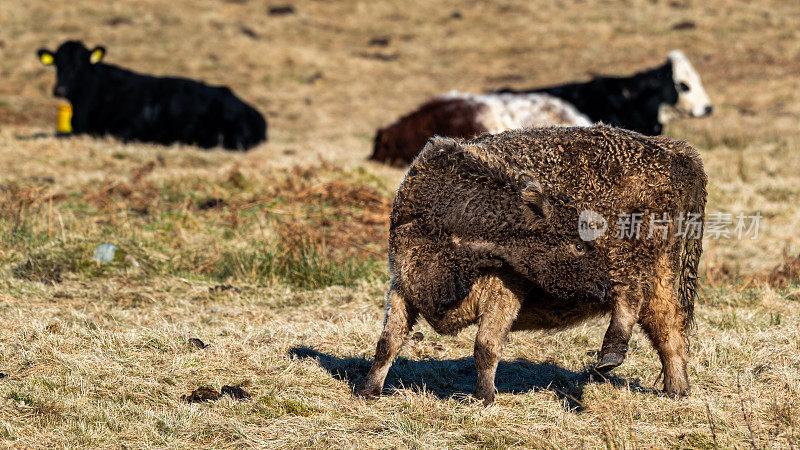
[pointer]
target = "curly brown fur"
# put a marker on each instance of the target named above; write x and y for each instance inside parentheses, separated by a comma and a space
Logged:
(459, 252)
(453, 219)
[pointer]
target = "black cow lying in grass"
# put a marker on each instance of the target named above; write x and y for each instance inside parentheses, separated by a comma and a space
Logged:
(133, 107)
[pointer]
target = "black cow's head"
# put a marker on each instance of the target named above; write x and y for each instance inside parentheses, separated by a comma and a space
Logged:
(72, 60)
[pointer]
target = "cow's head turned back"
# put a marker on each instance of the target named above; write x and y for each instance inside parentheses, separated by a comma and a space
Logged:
(73, 61)
(561, 262)
(692, 98)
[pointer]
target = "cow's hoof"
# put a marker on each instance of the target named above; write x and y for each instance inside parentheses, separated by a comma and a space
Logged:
(368, 391)
(608, 362)
(676, 389)
(486, 396)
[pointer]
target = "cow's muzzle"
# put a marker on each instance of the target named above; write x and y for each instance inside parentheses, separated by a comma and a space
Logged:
(702, 111)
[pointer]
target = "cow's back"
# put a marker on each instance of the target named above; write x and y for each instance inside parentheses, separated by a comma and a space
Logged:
(600, 167)
(166, 110)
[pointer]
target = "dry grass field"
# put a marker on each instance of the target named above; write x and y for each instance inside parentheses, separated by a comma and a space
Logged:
(276, 259)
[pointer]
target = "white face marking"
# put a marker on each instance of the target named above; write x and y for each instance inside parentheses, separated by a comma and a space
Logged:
(510, 111)
(692, 101)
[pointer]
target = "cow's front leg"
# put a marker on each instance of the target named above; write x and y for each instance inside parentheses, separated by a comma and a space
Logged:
(498, 308)
(400, 318)
(80, 120)
(624, 315)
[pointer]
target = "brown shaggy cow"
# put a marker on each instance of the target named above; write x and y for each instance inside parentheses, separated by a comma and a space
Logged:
(483, 231)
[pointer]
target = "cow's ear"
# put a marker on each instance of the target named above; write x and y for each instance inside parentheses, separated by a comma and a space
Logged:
(534, 196)
(97, 55)
(45, 56)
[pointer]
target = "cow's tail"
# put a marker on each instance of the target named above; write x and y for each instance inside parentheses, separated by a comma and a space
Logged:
(695, 206)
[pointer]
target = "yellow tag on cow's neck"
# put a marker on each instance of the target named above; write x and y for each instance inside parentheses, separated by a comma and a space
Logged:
(64, 125)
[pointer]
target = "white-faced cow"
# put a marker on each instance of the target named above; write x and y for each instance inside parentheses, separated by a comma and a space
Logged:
(107, 99)
(643, 102)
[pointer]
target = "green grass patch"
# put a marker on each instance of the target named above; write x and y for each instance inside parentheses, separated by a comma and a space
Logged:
(308, 229)
(301, 264)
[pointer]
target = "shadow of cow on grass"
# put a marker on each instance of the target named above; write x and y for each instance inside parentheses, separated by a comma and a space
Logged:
(457, 377)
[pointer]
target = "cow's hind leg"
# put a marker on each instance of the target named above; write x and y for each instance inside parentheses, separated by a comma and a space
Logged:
(664, 321)
(498, 307)
(400, 318)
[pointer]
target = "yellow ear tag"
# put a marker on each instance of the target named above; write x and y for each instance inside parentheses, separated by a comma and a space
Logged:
(46, 58)
(96, 56)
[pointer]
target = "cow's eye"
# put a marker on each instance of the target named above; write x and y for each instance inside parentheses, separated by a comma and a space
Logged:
(683, 87)
(579, 248)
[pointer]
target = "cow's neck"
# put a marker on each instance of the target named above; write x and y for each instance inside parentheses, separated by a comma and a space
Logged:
(86, 104)
(82, 96)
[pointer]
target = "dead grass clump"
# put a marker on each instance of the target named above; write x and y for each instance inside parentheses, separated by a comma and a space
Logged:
(338, 193)
(16, 199)
(136, 194)
(17, 204)
(322, 226)
(718, 271)
(785, 273)
(356, 224)
(43, 267)
(340, 236)
(720, 275)
(138, 197)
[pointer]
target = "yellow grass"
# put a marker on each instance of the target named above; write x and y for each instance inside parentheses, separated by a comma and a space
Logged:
(100, 358)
